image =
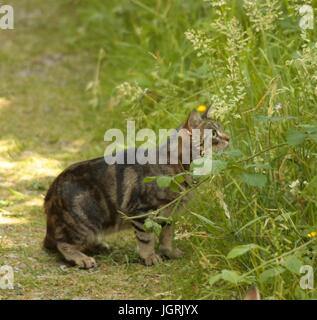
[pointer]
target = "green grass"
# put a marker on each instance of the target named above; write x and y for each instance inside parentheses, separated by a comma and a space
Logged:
(243, 64)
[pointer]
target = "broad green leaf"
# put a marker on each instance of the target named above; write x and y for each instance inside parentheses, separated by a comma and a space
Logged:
(206, 166)
(174, 186)
(231, 276)
(179, 179)
(293, 264)
(254, 179)
(240, 250)
(149, 179)
(294, 138)
(271, 273)
(215, 278)
(164, 181)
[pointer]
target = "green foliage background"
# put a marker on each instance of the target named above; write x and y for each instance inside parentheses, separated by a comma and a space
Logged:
(252, 62)
(252, 221)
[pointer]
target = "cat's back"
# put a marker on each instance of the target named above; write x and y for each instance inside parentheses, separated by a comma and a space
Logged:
(78, 174)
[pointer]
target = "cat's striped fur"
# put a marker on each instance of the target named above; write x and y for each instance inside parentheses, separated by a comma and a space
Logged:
(86, 199)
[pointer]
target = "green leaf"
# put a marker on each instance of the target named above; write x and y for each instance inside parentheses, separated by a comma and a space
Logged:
(205, 166)
(204, 219)
(152, 226)
(215, 278)
(270, 273)
(164, 181)
(179, 179)
(174, 187)
(294, 138)
(240, 250)
(149, 179)
(231, 276)
(254, 179)
(293, 264)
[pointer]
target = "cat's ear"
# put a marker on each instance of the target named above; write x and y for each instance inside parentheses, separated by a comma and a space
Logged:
(193, 120)
(208, 113)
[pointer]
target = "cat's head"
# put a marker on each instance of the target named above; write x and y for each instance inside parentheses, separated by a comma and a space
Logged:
(216, 138)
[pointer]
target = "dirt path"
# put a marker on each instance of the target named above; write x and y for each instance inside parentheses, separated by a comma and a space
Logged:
(45, 124)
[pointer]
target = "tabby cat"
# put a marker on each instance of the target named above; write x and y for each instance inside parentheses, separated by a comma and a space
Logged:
(88, 198)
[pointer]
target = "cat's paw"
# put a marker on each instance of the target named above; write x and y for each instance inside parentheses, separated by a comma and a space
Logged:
(86, 262)
(153, 259)
(171, 253)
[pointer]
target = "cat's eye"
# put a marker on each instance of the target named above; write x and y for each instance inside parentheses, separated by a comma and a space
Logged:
(214, 133)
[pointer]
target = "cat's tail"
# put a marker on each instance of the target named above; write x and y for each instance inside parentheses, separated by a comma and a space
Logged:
(50, 212)
(49, 243)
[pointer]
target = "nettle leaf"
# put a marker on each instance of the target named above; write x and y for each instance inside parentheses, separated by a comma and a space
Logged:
(179, 179)
(231, 276)
(152, 226)
(206, 166)
(293, 264)
(149, 179)
(240, 250)
(164, 181)
(294, 137)
(174, 186)
(270, 273)
(254, 179)
(215, 278)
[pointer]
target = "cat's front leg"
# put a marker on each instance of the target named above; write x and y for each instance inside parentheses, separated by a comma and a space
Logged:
(166, 243)
(146, 245)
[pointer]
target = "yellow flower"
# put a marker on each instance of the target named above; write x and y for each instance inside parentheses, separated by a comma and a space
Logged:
(201, 108)
(312, 234)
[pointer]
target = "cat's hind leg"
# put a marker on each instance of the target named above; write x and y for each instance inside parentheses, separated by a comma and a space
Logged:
(72, 253)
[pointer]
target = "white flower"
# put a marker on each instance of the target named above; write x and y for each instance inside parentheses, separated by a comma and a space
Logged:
(294, 187)
(278, 107)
